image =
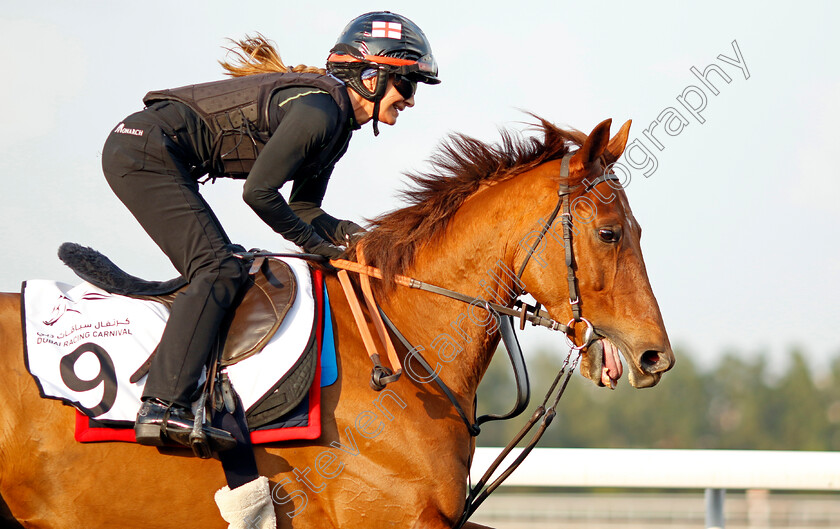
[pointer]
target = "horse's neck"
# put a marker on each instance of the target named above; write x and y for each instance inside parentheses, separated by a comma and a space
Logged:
(459, 337)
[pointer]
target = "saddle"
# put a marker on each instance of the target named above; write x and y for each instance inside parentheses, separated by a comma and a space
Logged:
(257, 313)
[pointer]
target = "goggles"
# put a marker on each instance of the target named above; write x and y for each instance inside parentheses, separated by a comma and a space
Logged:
(405, 86)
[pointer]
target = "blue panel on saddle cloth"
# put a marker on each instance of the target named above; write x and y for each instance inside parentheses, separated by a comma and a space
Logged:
(329, 367)
(299, 416)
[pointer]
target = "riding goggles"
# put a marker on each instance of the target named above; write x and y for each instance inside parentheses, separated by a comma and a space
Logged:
(405, 86)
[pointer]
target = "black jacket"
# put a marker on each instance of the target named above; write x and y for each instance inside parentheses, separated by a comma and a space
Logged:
(271, 129)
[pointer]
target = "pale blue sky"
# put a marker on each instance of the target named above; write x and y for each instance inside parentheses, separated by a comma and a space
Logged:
(739, 218)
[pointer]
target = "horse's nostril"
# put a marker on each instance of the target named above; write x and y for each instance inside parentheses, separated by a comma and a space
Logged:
(650, 359)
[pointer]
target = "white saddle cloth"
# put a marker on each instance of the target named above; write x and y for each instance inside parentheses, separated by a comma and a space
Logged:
(82, 344)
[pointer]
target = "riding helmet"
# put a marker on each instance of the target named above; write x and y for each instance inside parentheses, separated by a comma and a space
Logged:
(386, 43)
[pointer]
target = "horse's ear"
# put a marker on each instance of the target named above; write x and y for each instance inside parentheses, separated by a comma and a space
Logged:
(594, 145)
(617, 144)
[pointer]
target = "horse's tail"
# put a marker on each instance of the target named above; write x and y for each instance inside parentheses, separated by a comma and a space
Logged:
(100, 271)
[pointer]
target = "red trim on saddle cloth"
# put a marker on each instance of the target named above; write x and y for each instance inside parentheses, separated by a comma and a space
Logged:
(87, 434)
(84, 433)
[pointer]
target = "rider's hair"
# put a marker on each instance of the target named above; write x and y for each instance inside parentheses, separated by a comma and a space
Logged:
(253, 55)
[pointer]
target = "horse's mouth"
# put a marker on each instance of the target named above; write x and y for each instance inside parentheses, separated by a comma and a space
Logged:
(601, 363)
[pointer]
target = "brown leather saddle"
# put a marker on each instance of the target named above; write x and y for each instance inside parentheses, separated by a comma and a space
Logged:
(261, 305)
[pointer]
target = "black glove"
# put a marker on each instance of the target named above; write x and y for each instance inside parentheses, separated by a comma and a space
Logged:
(347, 231)
(315, 244)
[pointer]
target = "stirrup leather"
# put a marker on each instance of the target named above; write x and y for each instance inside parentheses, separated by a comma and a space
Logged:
(380, 374)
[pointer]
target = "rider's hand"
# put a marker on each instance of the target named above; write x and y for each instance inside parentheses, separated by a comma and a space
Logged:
(348, 231)
(315, 244)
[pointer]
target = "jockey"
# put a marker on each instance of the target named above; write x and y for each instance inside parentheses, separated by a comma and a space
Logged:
(283, 125)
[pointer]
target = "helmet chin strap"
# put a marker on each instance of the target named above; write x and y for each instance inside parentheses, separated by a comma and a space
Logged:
(376, 117)
(381, 87)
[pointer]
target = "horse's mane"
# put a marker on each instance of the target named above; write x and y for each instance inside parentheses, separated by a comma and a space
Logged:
(459, 168)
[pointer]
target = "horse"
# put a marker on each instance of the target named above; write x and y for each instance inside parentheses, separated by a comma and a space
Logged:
(398, 457)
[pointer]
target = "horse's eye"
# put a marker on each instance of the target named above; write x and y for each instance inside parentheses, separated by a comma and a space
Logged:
(609, 234)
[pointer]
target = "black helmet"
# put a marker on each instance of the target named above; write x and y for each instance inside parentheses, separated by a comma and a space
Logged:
(387, 43)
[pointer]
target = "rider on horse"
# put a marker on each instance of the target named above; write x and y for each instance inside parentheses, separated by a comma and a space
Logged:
(269, 129)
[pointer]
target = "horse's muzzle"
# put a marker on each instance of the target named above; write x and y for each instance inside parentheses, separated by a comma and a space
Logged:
(652, 364)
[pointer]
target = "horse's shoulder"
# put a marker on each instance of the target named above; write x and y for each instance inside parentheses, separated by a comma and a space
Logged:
(9, 309)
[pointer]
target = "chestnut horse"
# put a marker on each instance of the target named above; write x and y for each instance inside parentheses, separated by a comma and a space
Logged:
(397, 458)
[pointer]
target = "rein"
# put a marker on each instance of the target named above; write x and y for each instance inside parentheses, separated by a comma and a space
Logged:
(381, 375)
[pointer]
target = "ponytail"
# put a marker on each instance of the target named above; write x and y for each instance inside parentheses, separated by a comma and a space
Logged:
(254, 55)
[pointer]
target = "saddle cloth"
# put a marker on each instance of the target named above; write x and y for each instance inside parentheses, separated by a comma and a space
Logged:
(303, 422)
(82, 344)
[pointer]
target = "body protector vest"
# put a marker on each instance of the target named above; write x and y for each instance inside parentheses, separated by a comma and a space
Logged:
(237, 113)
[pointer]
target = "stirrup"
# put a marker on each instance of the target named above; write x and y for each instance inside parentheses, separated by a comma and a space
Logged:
(206, 440)
(199, 440)
(199, 444)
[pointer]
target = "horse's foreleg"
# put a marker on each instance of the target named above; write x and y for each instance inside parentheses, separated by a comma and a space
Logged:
(471, 525)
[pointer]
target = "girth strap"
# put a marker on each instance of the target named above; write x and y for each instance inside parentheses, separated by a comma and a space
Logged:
(373, 309)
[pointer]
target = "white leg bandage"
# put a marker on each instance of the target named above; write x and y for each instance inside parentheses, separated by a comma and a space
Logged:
(248, 506)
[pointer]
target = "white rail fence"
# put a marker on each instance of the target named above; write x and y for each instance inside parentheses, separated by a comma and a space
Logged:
(712, 470)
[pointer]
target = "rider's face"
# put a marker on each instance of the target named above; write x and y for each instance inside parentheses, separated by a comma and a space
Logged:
(393, 103)
(389, 108)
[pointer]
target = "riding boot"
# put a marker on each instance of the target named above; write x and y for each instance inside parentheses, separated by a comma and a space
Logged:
(159, 422)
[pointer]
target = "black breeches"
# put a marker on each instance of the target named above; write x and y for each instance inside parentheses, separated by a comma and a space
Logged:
(149, 174)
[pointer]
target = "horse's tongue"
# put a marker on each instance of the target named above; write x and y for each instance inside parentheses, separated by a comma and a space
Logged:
(612, 369)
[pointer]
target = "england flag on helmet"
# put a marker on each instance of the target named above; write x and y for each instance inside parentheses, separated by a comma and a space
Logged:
(389, 30)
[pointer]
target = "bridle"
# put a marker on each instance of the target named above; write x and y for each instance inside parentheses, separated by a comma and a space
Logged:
(564, 202)
(482, 490)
